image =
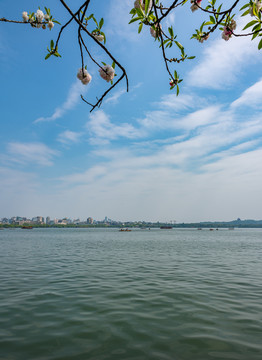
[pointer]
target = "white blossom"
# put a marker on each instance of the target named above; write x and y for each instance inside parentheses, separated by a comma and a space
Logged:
(203, 38)
(228, 30)
(84, 76)
(155, 33)
(39, 16)
(47, 17)
(140, 3)
(226, 34)
(107, 73)
(25, 16)
(98, 37)
(50, 25)
(194, 6)
(232, 25)
(225, 37)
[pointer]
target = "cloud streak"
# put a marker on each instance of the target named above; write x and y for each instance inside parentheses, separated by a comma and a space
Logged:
(71, 101)
(31, 153)
(222, 62)
(100, 127)
(251, 97)
(69, 137)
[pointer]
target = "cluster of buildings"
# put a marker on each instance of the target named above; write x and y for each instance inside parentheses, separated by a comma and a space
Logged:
(40, 220)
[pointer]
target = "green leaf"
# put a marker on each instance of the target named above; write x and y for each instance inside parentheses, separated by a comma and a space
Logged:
(179, 45)
(218, 10)
(245, 13)
(140, 13)
(177, 90)
(191, 57)
(101, 23)
(104, 36)
(140, 27)
(113, 64)
(260, 45)
(134, 19)
(212, 19)
(257, 27)
(245, 6)
(47, 56)
(52, 44)
(146, 6)
(171, 32)
(253, 22)
(95, 20)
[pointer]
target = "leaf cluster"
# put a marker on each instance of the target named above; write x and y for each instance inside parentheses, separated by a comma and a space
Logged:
(52, 51)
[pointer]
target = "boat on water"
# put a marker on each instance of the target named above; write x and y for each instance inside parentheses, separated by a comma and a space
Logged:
(166, 227)
(27, 227)
(125, 230)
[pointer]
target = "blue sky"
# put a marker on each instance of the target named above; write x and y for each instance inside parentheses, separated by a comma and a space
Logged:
(145, 155)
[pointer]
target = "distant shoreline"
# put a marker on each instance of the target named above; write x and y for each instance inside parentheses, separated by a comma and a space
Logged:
(199, 226)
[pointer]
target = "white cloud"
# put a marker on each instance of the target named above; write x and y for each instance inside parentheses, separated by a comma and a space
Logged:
(71, 101)
(17, 192)
(31, 153)
(67, 137)
(223, 61)
(119, 24)
(168, 119)
(127, 182)
(181, 102)
(100, 126)
(251, 97)
(170, 20)
(115, 97)
(87, 177)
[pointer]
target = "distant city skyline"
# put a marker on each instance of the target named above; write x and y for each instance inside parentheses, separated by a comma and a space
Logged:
(40, 220)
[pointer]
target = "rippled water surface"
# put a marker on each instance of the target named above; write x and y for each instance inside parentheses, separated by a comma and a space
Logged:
(99, 294)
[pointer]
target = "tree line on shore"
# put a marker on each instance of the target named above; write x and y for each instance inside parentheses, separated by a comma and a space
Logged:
(216, 224)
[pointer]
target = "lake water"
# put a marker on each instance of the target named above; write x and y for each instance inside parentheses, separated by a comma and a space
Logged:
(101, 294)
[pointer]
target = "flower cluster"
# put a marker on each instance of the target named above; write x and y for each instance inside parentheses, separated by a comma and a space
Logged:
(38, 19)
(25, 16)
(98, 36)
(155, 31)
(228, 30)
(140, 4)
(107, 73)
(258, 6)
(203, 37)
(195, 5)
(84, 76)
